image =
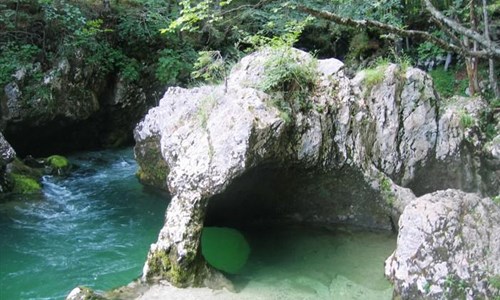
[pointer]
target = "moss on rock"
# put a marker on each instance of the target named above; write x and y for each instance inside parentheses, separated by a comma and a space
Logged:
(153, 169)
(57, 165)
(58, 161)
(161, 266)
(24, 184)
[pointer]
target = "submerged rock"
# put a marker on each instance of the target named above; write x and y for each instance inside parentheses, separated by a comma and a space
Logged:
(347, 151)
(57, 165)
(84, 293)
(448, 248)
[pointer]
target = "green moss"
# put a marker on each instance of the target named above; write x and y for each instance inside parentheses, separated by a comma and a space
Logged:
(178, 276)
(58, 161)
(495, 281)
(455, 287)
(374, 76)
(153, 175)
(25, 185)
(160, 266)
(496, 200)
(153, 168)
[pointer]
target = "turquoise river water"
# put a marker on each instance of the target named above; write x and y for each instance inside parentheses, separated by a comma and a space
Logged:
(94, 228)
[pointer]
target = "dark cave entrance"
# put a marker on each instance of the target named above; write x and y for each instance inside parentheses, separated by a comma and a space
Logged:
(271, 195)
(311, 234)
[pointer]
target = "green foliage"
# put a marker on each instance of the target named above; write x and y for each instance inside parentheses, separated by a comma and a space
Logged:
(455, 288)
(386, 190)
(358, 45)
(466, 120)
(140, 23)
(14, 57)
(24, 184)
(446, 83)
(495, 280)
(387, 11)
(172, 65)
(427, 50)
(284, 37)
(225, 249)
(210, 66)
(192, 14)
(289, 79)
(130, 69)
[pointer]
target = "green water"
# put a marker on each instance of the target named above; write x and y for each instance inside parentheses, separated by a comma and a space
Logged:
(301, 263)
(93, 228)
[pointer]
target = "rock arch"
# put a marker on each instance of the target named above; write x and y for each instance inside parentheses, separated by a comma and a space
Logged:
(205, 142)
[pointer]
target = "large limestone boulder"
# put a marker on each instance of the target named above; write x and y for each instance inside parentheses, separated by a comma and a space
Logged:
(350, 151)
(448, 248)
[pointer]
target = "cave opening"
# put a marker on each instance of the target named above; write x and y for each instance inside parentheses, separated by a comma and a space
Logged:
(312, 234)
(271, 195)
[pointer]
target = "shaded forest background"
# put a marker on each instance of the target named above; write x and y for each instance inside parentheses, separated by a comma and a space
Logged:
(186, 42)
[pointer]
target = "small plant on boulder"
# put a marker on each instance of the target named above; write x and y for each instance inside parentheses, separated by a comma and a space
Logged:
(290, 80)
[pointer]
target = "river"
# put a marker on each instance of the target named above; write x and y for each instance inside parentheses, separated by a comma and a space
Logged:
(94, 228)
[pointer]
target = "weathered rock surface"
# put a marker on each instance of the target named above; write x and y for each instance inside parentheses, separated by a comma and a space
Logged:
(74, 107)
(448, 248)
(348, 157)
(7, 154)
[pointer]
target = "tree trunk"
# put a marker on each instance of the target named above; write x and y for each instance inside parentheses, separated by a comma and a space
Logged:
(491, 62)
(106, 5)
(448, 61)
(472, 62)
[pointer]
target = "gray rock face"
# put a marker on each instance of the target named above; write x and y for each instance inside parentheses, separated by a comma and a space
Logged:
(7, 153)
(368, 139)
(69, 107)
(448, 248)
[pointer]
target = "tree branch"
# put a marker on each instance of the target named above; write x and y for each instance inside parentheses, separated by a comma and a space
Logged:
(392, 29)
(490, 47)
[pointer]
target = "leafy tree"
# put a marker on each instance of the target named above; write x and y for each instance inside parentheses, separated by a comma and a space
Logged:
(458, 21)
